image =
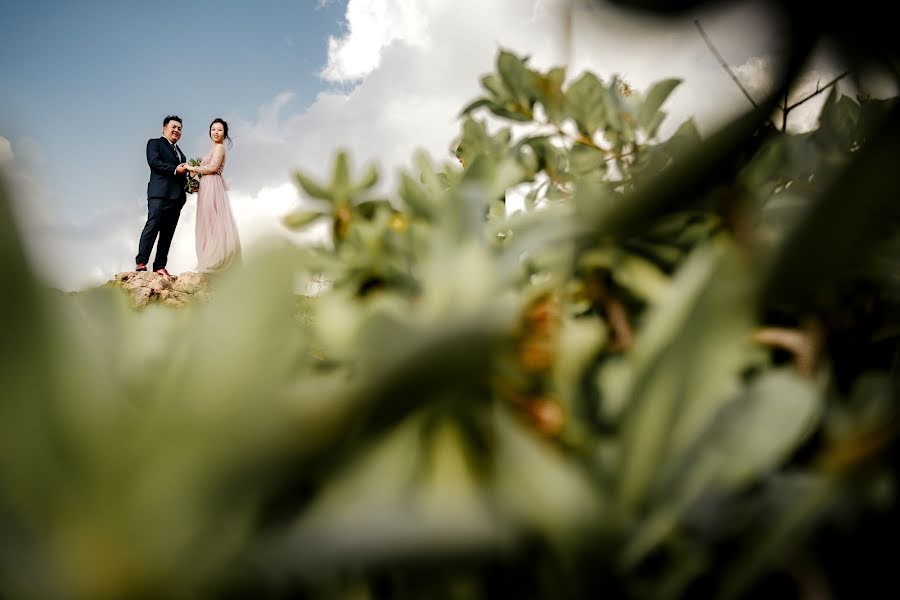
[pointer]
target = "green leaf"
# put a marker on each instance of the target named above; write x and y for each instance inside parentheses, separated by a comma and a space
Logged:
(312, 188)
(762, 426)
(369, 179)
(652, 127)
(518, 79)
(340, 180)
(835, 233)
(476, 140)
(838, 123)
(586, 160)
(654, 100)
(684, 360)
(300, 219)
(415, 197)
(685, 139)
(551, 95)
(475, 105)
(493, 83)
(618, 129)
(586, 105)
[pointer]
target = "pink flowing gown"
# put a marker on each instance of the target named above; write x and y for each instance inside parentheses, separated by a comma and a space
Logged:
(216, 234)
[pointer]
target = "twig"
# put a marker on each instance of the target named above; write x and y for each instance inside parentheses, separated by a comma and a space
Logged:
(784, 111)
(815, 93)
(722, 62)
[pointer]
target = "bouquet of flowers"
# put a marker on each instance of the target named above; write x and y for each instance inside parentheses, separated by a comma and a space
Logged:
(193, 181)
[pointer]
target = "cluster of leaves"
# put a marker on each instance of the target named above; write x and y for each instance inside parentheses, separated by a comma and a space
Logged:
(632, 347)
(574, 398)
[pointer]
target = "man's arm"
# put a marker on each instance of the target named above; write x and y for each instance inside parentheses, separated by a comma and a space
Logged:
(158, 163)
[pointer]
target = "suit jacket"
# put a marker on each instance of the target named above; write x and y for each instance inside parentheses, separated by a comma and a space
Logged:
(163, 161)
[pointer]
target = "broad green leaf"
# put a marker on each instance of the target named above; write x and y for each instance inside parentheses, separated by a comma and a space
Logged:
(684, 360)
(586, 160)
(538, 487)
(652, 127)
(838, 124)
(586, 104)
(686, 139)
(493, 83)
(762, 426)
(654, 100)
(551, 95)
(619, 122)
(518, 78)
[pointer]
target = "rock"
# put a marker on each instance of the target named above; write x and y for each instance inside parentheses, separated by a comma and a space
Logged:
(146, 288)
(190, 283)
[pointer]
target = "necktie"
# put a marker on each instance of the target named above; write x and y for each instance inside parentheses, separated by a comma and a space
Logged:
(177, 155)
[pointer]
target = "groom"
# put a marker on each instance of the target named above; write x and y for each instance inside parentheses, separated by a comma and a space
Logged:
(165, 195)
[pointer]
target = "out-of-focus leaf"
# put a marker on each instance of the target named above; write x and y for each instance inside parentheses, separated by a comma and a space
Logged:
(803, 499)
(340, 179)
(655, 98)
(369, 179)
(539, 488)
(757, 430)
(551, 95)
(836, 230)
(409, 496)
(750, 436)
(414, 197)
(586, 103)
(311, 187)
(676, 188)
(474, 105)
(640, 277)
(683, 362)
(517, 78)
(586, 160)
(300, 219)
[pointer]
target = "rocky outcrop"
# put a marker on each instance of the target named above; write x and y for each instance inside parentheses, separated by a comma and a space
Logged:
(146, 287)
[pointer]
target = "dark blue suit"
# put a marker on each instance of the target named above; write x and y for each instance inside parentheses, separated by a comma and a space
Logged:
(165, 197)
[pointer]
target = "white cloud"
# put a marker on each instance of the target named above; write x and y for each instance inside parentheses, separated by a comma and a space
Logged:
(372, 25)
(6, 153)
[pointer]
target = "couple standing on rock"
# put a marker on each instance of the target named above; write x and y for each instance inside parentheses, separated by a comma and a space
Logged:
(217, 242)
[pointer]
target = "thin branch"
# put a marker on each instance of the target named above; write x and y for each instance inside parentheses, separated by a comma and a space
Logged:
(817, 92)
(722, 62)
(784, 111)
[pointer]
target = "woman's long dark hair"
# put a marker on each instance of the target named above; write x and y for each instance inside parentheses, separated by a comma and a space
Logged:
(225, 127)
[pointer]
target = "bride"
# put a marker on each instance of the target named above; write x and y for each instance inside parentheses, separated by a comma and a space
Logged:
(218, 244)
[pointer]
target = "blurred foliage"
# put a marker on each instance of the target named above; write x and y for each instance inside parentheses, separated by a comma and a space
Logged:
(578, 360)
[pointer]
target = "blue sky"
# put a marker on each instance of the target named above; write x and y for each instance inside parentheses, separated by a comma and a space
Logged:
(90, 82)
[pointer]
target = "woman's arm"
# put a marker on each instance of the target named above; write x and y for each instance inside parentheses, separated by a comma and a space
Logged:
(216, 161)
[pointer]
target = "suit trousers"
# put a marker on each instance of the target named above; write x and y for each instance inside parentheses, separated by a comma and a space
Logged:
(162, 217)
